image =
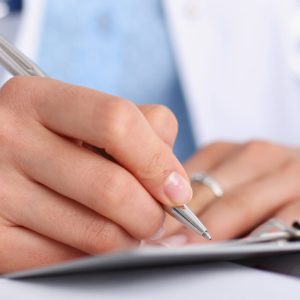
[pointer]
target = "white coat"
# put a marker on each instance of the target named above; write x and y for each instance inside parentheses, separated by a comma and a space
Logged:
(239, 64)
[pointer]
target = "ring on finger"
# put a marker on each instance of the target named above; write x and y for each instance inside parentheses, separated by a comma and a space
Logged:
(208, 181)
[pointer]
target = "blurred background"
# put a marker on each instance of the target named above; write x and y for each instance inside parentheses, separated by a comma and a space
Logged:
(239, 77)
(109, 45)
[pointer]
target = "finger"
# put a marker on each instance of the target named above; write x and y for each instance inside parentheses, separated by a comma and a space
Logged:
(251, 161)
(209, 157)
(63, 220)
(242, 210)
(245, 163)
(203, 161)
(107, 122)
(289, 213)
(89, 179)
(23, 249)
(162, 121)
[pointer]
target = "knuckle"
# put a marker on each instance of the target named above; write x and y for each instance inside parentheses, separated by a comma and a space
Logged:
(114, 190)
(99, 236)
(14, 85)
(21, 94)
(262, 154)
(259, 147)
(19, 88)
(11, 134)
(121, 117)
(162, 116)
(217, 145)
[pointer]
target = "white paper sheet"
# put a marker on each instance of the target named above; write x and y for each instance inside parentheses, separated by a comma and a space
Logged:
(207, 281)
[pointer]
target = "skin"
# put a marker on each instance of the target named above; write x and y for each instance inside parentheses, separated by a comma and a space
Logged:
(260, 181)
(60, 200)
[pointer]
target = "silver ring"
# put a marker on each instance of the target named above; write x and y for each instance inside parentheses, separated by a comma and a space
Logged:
(208, 181)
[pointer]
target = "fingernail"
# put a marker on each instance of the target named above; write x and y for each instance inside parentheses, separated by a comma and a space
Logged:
(175, 241)
(159, 233)
(178, 189)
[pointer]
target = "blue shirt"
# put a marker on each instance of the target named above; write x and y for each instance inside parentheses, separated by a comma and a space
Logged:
(121, 47)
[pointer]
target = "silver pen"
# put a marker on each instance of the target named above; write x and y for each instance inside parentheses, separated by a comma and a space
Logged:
(19, 64)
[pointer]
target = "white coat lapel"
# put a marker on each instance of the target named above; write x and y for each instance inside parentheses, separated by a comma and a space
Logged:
(233, 68)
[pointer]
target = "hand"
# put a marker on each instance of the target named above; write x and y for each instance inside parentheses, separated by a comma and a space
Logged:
(261, 180)
(59, 200)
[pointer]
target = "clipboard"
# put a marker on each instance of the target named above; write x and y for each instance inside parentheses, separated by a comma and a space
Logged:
(273, 238)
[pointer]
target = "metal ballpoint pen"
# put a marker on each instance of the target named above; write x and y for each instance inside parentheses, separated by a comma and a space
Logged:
(19, 64)
(16, 62)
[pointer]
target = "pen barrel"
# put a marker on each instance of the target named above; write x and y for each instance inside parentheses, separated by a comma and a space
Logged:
(184, 215)
(16, 62)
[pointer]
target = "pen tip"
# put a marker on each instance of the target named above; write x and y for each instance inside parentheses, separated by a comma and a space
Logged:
(206, 235)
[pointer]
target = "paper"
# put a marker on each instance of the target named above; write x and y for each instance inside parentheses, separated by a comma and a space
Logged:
(206, 281)
(158, 256)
